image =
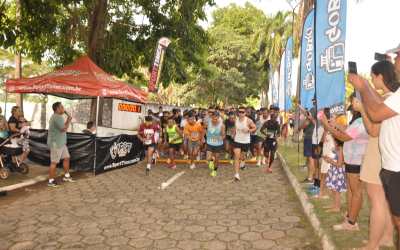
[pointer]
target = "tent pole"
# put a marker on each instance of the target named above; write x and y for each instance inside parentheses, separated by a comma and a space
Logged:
(95, 136)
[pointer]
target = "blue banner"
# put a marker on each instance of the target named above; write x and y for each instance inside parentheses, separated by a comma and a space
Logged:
(330, 50)
(307, 69)
(288, 77)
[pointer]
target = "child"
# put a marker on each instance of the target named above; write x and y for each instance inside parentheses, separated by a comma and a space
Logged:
(336, 176)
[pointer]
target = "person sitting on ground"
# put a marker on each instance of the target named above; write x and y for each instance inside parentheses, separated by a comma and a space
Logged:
(90, 128)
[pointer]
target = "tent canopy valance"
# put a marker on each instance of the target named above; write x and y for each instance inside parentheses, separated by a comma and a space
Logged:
(82, 79)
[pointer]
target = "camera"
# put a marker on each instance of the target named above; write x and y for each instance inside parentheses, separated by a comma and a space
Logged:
(380, 57)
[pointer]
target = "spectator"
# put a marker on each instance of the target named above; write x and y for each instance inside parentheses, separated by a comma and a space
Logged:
(387, 112)
(355, 140)
(13, 121)
(57, 142)
(308, 128)
(90, 128)
(381, 226)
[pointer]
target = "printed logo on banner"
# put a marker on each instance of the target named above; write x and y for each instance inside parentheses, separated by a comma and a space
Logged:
(330, 49)
(120, 149)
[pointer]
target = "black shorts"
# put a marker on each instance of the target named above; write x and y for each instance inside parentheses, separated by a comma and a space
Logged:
(229, 139)
(146, 147)
(391, 185)
(245, 147)
(352, 169)
(256, 139)
(215, 149)
(270, 145)
(315, 154)
(176, 147)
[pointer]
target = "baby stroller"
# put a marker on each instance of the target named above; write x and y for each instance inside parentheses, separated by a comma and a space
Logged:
(9, 161)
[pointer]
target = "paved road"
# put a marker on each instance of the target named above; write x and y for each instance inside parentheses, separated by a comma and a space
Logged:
(124, 209)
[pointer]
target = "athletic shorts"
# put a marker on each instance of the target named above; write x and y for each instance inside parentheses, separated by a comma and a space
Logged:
(256, 139)
(391, 185)
(57, 154)
(315, 155)
(192, 145)
(308, 152)
(146, 147)
(270, 145)
(245, 147)
(352, 169)
(215, 149)
(229, 139)
(176, 147)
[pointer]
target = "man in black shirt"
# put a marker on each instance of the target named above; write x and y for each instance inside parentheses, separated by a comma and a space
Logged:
(271, 130)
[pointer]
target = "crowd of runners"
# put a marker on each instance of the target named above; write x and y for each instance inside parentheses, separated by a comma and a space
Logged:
(233, 134)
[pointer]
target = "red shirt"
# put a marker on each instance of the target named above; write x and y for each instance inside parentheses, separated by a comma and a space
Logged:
(148, 132)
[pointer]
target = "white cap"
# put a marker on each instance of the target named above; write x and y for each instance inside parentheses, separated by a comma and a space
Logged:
(394, 50)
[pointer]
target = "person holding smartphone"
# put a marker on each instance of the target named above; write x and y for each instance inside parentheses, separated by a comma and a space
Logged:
(57, 142)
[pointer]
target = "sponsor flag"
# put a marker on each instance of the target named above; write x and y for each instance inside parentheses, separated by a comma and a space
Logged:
(162, 45)
(281, 83)
(307, 70)
(330, 37)
(288, 74)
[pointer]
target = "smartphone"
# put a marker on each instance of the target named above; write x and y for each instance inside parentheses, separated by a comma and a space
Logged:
(352, 67)
(380, 57)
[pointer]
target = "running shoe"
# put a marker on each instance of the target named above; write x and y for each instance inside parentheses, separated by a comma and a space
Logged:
(237, 177)
(68, 179)
(307, 181)
(52, 184)
(242, 165)
(211, 165)
(346, 226)
(148, 168)
(213, 173)
(192, 166)
(173, 166)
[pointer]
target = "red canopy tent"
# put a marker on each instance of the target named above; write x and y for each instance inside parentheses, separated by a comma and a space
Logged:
(81, 79)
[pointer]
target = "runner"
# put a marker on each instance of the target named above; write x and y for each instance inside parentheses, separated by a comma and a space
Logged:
(215, 141)
(259, 137)
(173, 135)
(195, 133)
(147, 131)
(270, 142)
(230, 134)
(244, 126)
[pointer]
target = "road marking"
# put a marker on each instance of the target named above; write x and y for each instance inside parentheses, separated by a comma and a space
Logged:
(164, 185)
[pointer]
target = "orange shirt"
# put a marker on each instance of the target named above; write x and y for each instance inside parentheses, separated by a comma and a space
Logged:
(193, 132)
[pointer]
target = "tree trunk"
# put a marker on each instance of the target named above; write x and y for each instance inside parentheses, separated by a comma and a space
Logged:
(18, 63)
(96, 30)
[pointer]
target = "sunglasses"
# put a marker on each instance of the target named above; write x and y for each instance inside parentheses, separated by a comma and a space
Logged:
(241, 112)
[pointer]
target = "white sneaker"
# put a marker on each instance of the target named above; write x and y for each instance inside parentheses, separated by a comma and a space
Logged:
(259, 163)
(68, 179)
(237, 177)
(242, 165)
(148, 167)
(192, 166)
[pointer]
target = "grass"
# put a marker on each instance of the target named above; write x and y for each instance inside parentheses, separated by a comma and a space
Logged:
(342, 239)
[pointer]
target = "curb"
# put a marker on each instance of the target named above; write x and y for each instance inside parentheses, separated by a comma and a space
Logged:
(26, 183)
(308, 208)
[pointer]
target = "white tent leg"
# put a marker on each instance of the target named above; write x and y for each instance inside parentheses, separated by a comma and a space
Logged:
(95, 136)
(5, 105)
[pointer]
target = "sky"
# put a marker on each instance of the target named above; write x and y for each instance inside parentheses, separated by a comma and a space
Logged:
(372, 26)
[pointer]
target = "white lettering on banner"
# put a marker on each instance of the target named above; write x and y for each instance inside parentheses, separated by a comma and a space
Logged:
(308, 81)
(289, 73)
(121, 163)
(68, 73)
(120, 149)
(157, 59)
(44, 87)
(339, 109)
(333, 60)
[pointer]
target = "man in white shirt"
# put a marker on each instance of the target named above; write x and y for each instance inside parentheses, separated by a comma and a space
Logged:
(388, 112)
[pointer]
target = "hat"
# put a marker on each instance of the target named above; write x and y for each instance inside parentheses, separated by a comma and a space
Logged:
(341, 120)
(394, 50)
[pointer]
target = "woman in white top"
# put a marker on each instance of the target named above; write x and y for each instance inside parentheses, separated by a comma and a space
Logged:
(244, 126)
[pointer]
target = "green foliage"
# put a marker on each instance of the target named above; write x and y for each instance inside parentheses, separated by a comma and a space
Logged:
(120, 35)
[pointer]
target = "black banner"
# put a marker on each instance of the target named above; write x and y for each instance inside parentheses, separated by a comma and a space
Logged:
(80, 147)
(112, 152)
(118, 151)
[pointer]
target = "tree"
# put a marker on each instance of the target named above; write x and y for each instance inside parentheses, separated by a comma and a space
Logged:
(270, 42)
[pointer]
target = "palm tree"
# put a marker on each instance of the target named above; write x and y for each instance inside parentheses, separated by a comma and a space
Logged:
(270, 41)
